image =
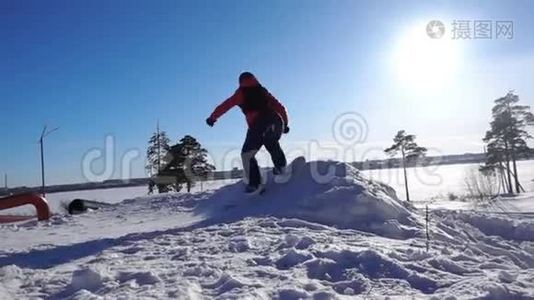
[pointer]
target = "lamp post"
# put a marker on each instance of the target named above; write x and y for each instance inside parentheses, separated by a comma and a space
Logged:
(41, 143)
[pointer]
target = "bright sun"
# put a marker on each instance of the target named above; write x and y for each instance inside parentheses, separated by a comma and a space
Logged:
(423, 63)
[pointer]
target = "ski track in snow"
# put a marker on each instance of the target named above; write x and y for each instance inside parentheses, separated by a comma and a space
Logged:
(345, 238)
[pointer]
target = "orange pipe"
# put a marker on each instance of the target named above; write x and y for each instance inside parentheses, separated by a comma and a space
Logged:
(11, 219)
(43, 211)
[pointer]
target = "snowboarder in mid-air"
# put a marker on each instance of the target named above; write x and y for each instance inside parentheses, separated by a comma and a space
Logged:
(266, 119)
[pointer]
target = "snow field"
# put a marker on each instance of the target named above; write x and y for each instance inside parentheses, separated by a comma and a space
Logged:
(341, 238)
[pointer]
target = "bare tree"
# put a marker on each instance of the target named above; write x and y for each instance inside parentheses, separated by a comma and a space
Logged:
(481, 185)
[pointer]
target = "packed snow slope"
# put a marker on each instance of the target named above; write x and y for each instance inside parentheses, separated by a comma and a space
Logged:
(323, 232)
(329, 193)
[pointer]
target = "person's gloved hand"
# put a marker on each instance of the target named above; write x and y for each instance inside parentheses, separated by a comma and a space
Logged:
(210, 121)
(286, 129)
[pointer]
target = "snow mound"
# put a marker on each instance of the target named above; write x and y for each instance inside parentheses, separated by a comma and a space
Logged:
(325, 192)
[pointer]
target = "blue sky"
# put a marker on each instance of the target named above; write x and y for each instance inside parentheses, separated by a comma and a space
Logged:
(99, 68)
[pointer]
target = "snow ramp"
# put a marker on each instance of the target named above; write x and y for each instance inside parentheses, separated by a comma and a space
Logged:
(326, 192)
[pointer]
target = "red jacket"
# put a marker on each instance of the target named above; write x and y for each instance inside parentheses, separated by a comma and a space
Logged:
(238, 98)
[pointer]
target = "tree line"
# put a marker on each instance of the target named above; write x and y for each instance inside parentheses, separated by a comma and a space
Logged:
(505, 144)
(173, 166)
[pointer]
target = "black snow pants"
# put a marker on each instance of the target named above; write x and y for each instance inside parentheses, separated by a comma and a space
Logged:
(266, 131)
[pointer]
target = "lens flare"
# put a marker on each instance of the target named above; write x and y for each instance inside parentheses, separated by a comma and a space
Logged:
(423, 62)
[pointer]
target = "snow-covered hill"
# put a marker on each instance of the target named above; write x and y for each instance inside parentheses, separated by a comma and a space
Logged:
(325, 232)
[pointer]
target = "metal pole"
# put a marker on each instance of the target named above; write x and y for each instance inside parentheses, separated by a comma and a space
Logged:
(41, 141)
(159, 148)
(426, 227)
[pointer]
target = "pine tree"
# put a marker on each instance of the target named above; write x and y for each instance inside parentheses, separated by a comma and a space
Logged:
(187, 163)
(409, 150)
(158, 147)
(507, 138)
(496, 159)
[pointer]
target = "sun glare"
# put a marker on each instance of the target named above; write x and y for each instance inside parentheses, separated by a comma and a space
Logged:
(423, 63)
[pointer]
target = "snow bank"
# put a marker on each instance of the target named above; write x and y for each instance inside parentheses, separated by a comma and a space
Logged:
(506, 227)
(326, 192)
